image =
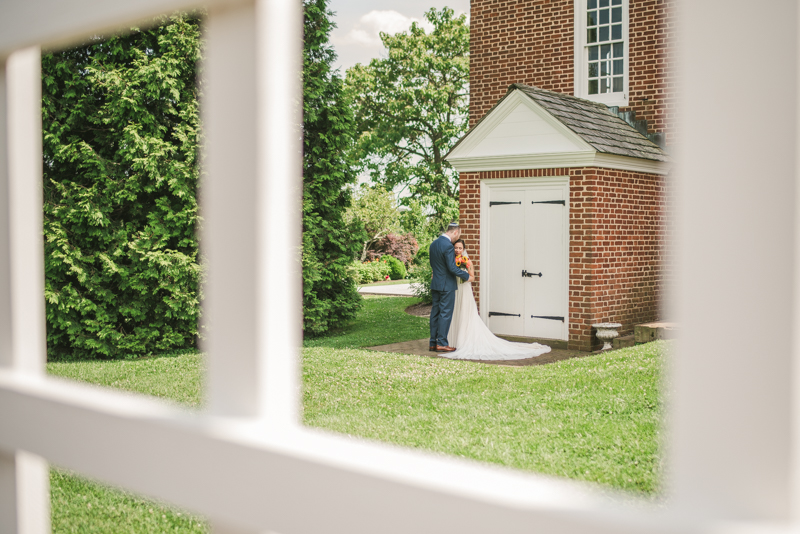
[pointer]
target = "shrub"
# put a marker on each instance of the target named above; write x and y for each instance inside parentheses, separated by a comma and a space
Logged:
(423, 255)
(402, 247)
(398, 270)
(369, 271)
(422, 275)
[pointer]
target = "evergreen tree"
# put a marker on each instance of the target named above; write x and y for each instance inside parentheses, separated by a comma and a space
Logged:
(121, 129)
(329, 245)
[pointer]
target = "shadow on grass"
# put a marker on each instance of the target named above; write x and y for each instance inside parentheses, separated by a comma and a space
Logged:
(382, 320)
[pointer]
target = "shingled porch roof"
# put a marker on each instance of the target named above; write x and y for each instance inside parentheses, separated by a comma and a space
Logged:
(592, 122)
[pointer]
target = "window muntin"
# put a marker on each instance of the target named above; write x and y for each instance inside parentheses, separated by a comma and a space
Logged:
(605, 47)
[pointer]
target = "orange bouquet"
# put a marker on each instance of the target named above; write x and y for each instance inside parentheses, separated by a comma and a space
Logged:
(463, 261)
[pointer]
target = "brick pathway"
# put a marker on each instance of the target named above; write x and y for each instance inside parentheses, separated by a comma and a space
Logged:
(420, 348)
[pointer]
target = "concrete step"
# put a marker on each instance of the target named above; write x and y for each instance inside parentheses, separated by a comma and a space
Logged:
(645, 333)
(623, 342)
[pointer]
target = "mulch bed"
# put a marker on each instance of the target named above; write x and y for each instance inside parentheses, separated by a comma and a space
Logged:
(420, 310)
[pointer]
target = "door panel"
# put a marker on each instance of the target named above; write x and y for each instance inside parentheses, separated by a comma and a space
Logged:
(528, 230)
(545, 253)
(506, 255)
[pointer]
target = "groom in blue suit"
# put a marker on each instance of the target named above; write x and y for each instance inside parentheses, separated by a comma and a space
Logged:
(444, 286)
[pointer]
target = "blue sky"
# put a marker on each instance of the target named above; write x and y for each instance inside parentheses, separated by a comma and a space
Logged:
(359, 21)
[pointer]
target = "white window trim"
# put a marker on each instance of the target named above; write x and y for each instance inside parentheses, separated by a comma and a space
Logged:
(581, 87)
(246, 463)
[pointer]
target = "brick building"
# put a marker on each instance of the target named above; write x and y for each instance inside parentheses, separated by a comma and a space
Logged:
(563, 174)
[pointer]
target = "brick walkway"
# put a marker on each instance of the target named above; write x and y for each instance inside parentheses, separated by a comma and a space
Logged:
(420, 348)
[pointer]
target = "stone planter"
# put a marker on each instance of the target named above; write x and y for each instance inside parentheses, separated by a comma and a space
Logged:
(606, 332)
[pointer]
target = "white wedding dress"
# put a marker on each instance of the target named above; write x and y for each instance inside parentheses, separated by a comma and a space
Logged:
(473, 339)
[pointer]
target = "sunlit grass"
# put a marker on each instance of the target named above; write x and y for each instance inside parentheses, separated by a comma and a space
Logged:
(595, 418)
(82, 506)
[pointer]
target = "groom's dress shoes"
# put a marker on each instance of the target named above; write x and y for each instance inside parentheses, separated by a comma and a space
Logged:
(445, 348)
(432, 348)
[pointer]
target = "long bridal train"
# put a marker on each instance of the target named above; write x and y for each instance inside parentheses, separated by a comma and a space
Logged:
(473, 339)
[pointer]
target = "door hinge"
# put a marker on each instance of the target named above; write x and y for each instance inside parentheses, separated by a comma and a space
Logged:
(501, 203)
(501, 314)
(562, 202)
(551, 317)
(526, 273)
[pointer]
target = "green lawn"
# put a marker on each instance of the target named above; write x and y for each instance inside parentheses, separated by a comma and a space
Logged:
(81, 506)
(594, 418)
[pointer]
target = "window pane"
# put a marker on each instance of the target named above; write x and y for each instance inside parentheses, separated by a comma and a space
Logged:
(616, 31)
(618, 84)
(592, 70)
(604, 68)
(605, 52)
(591, 19)
(618, 64)
(591, 36)
(604, 88)
(592, 87)
(592, 4)
(604, 16)
(616, 2)
(603, 33)
(616, 14)
(603, 3)
(593, 50)
(618, 50)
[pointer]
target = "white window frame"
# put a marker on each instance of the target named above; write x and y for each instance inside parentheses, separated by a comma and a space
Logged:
(581, 61)
(247, 463)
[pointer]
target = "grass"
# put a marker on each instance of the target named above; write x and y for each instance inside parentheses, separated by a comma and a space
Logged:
(177, 377)
(382, 321)
(595, 418)
(82, 506)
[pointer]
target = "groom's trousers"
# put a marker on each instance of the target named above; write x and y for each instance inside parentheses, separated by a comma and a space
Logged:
(441, 315)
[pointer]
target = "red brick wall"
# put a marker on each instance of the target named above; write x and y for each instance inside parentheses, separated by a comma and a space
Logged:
(532, 42)
(651, 29)
(617, 262)
(518, 41)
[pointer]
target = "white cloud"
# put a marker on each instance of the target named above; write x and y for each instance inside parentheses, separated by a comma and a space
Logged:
(366, 31)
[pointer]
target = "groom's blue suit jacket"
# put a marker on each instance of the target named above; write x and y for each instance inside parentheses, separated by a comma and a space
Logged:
(443, 263)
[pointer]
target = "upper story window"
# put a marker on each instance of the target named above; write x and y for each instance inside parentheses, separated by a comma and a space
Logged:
(601, 51)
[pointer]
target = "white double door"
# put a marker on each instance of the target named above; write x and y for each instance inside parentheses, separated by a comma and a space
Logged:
(526, 234)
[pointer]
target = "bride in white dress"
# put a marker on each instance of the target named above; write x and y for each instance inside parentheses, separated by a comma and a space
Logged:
(473, 339)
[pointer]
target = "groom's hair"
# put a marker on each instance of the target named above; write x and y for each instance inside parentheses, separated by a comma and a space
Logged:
(452, 227)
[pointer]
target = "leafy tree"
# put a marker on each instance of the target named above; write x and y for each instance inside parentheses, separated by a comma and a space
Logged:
(412, 107)
(329, 244)
(374, 209)
(121, 129)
